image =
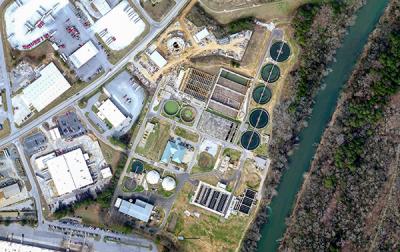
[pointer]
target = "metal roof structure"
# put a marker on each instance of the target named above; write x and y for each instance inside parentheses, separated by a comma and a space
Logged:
(159, 60)
(48, 87)
(83, 54)
(10, 190)
(140, 210)
(69, 171)
(174, 151)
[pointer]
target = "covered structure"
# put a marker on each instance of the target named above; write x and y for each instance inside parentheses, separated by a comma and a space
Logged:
(69, 171)
(152, 177)
(168, 183)
(174, 151)
(140, 210)
(108, 111)
(158, 59)
(48, 87)
(85, 53)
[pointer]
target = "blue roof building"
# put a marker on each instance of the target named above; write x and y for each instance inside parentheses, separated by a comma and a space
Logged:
(175, 151)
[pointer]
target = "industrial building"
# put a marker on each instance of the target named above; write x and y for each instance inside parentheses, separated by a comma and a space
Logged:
(48, 87)
(108, 111)
(127, 94)
(85, 53)
(40, 93)
(9, 190)
(158, 59)
(113, 26)
(69, 171)
(198, 37)
(140, 210)
(212, 198)
(174, 151)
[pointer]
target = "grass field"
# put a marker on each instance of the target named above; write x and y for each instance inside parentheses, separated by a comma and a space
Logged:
(159, 10)
(191, 136)
(214, 232)
(6, 129)
(156, 141)
(281, 10)
(110, 155)
(205, 163)
(233, 154)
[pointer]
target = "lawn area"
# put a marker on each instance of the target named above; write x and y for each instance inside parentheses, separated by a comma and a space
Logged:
(233, 154)
(6, 129)
(189, 135)
(280, 9)
(158, 10)
(215, 232)
(4, 99)
(205, 163)
(110, 155)
(156, 141)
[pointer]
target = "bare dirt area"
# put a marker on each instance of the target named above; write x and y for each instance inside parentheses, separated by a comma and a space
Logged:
(159, 9)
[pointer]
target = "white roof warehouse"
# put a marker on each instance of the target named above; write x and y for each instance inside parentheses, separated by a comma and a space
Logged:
(48, 87)
(85, 53)
(69, 171)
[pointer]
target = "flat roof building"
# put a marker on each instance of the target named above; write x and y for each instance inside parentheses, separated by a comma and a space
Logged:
(198, 37)
(102, 6)
(106, 173)
(108, 111)
(48, 87)
(140, 210)
(83, 54)
(9, 191)
(158, 59)
(69, 171)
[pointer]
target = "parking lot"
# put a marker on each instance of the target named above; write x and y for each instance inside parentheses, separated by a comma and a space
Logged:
(71, 35)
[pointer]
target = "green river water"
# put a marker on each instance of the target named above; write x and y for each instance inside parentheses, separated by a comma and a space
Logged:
(325, 103)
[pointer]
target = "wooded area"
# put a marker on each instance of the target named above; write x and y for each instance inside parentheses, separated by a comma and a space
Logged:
(319, 30)
(351, 199)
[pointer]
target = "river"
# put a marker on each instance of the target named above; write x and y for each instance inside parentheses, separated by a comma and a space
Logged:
(325, 104)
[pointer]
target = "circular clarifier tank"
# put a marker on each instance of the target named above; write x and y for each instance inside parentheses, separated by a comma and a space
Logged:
(270, 73)
(262, 94)
(259, 118)
(279, 51)
(250, 140)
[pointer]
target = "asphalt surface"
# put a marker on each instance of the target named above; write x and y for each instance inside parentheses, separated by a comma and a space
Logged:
(43, 225)
(155, 29)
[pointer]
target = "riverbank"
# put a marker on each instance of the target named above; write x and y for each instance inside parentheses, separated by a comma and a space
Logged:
(327, 202)
(287, 121)
(297, 99)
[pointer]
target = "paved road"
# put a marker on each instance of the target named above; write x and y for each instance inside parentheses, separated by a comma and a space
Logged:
(31, 176)
(155, 29)
(153, 33)
(6, 83)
